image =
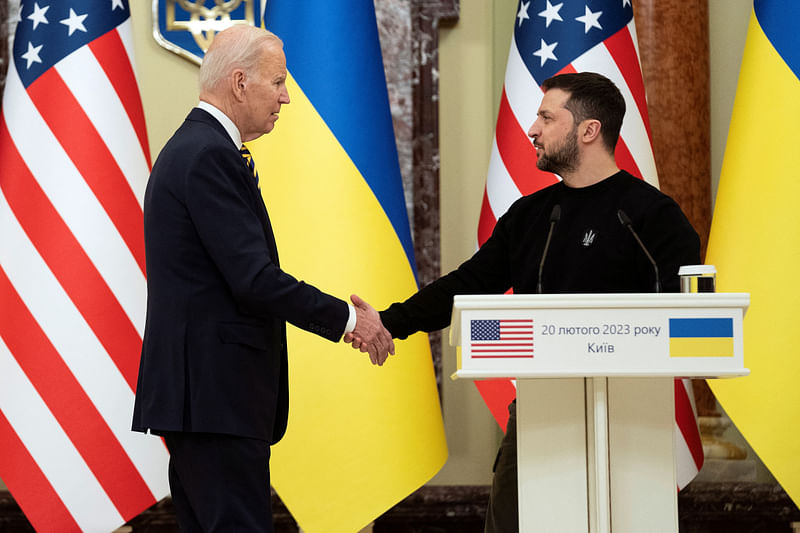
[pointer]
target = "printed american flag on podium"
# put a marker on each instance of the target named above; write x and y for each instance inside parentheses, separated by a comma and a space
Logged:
(74, 159)
(553, 38)
(501, 338)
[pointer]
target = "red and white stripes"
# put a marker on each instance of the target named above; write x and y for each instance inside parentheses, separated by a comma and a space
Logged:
(74, 161)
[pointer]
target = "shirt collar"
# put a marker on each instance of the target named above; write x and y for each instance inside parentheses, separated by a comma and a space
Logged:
(222, 118)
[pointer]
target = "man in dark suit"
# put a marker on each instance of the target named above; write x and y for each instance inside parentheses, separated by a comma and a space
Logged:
(213, 374)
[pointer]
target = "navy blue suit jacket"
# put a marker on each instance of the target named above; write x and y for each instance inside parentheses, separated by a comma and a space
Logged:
(214, 349)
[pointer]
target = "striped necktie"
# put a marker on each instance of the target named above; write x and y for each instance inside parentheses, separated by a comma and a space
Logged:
(248, 159)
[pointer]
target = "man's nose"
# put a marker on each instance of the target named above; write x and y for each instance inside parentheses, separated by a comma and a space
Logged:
(533, 131)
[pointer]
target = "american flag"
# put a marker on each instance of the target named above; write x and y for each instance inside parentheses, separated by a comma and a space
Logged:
(501, 338)
(554, 38)
(74, 159)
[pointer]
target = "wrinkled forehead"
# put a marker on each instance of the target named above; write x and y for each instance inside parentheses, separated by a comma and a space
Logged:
(273, 59)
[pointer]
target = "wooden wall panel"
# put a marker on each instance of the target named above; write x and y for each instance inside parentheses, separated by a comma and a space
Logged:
(673, 46)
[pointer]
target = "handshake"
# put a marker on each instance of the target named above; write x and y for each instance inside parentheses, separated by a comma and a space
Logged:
(369, 334)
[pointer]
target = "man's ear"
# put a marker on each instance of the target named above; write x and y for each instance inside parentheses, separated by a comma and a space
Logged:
(591, 130)
(238, 81)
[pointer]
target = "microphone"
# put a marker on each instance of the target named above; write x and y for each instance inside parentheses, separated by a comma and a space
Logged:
(626, 221)
(555, 215)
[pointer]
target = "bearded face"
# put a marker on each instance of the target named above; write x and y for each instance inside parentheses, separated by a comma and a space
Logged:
(558, 156)
(555, 134)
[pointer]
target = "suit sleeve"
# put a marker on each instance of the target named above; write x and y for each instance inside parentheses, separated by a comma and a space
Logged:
(221, 203)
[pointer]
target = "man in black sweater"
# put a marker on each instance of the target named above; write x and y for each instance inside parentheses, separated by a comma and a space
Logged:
(591, 251)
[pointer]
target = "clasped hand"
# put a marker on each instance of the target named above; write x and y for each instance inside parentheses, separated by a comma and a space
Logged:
(369, 334)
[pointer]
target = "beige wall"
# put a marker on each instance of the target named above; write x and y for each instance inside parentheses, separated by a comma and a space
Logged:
(728, 21)
(472, 64)
(167, 82)
(470, 78)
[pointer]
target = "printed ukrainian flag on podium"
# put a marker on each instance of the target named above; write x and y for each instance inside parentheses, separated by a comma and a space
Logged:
(360, 437)
(701, 337)
(755, 239)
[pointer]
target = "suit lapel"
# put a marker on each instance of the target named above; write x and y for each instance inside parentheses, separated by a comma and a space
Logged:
(255, 195)
(261, 210)
(268, 233)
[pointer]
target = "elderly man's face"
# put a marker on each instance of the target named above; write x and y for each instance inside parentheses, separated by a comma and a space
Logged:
(266, 92)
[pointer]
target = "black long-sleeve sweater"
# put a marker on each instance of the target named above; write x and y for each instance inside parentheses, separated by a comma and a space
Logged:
(590, 251)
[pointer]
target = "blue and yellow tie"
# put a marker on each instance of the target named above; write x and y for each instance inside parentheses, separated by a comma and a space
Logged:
(248, 159)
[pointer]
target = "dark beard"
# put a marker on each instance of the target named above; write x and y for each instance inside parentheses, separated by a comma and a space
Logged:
(564, 159)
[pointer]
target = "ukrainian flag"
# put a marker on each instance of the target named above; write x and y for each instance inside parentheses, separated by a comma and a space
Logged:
(360, 437)
(701, 337)
(755, 239)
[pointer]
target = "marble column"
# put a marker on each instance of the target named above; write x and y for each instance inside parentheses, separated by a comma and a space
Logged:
(409, 33)
(427, 16)
(4, 8)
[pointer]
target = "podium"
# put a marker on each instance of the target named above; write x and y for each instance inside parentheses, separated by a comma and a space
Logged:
(595, 395)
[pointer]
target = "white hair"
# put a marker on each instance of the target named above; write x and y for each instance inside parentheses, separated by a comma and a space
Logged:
(237, 47)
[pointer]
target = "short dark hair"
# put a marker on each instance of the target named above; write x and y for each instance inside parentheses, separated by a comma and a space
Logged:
(592, 96)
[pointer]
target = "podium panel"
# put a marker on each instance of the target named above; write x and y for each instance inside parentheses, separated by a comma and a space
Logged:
(643, 486)
(595, 395)
(556, 441)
